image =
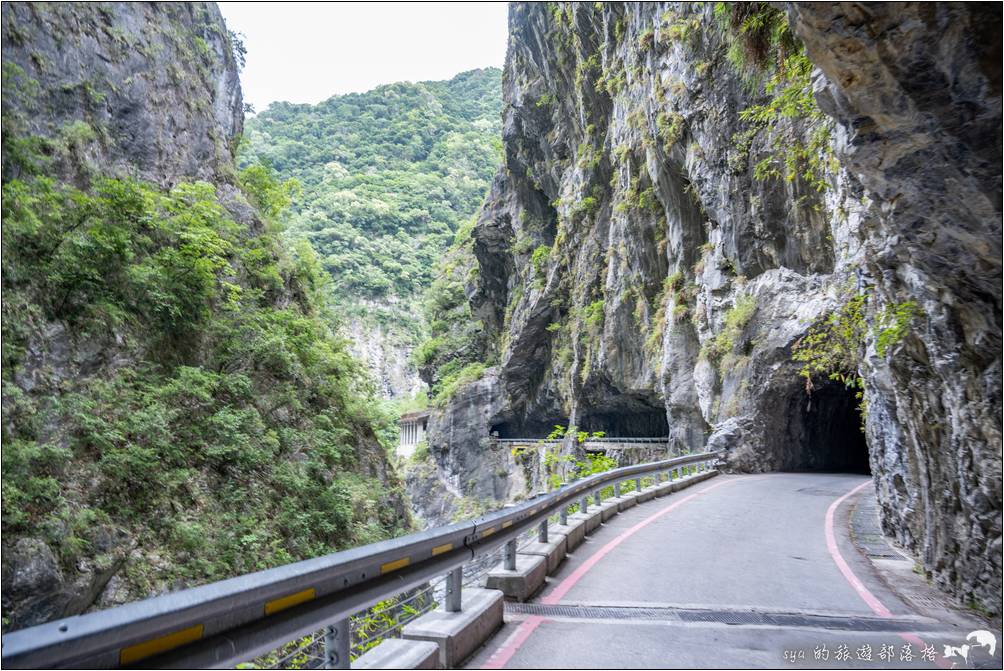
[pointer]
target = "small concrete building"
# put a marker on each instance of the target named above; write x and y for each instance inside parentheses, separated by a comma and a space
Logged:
(412, 431)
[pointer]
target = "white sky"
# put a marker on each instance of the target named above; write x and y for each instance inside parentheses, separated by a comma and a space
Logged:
(306, 52)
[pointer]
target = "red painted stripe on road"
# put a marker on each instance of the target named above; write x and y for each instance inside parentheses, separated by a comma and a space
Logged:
(873, 601)
(509, 647)
(831, 544)
(568, 583)
(512, 644)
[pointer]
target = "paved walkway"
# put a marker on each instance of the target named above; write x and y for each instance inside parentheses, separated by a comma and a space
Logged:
(739, 571)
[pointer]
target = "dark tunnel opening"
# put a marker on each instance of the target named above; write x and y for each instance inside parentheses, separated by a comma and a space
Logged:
(527, 429)
(638, 424)
(831, 437)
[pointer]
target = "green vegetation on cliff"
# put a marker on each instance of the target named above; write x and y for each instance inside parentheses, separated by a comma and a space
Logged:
(766, 52)
(178, 404)
(388, 177)
(451, 356)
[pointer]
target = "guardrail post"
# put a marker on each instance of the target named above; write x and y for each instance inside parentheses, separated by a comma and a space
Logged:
(637, 484)
(597, 497)
(585, 503)
(542, 532)
(336, 645)
(454, 587)
(617, 489)
(510, 555)
(563, 516)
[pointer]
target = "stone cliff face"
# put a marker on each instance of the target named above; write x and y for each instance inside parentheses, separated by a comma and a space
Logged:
(162, 113)
(386, 354)
(650, 255)
(917, 91)
(149, 94)
(123, 67)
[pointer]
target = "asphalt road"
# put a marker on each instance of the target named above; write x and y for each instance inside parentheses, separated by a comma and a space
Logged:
(735, 572)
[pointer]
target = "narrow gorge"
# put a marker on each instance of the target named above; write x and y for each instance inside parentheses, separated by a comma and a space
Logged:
(752, 228)
(178, 407)
(770, 229)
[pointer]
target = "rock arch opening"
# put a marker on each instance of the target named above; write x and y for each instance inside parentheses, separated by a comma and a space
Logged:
(636, 424)
(825, 431)
(627, 424)
(528, 428)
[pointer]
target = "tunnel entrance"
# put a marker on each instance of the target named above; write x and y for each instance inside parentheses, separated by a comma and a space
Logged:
(636, 424)
(527, 428)
(831, 438)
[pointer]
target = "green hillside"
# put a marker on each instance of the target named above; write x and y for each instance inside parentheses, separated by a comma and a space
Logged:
(388, 176)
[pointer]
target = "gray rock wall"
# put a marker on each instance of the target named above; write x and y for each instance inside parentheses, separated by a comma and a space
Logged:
(159, 79)
(918, 95)
(673, 283)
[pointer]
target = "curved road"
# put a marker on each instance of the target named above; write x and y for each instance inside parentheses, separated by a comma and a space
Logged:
(739, 571)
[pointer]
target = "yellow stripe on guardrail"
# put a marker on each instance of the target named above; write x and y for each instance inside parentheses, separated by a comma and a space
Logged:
(488, 532)
(440, 549)
(155, 646)
(394, 565)
(507, 524)
(290, 600)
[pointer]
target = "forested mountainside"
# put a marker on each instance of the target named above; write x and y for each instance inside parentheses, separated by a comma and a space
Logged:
(177, 406)
(750, 227)
(387, 177)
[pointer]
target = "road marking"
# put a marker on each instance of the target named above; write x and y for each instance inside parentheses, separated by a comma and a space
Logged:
(870, 599)
(512, 644)
(501, 657)
(831, 544)
(568, 583)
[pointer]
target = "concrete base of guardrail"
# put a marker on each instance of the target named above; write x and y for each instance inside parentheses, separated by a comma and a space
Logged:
(574, 532)
(399, 653)
(626, 501)
(522, 583)
(664, 488)
(591, 519)
(457, 635)
(646, 494)
(553, 550)
(609, 508)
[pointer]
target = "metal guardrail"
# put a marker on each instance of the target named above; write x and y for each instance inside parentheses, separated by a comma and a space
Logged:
(230, 621)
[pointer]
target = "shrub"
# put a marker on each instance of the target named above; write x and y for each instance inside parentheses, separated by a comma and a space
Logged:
(736, 319)
(764, 48)
(450, 384)
(421, 453)
(670, 126)
(539, 260)
(593, 313)
(266, 191)
(225, 384)
(893, 324)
